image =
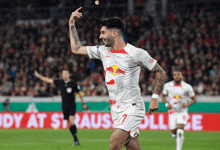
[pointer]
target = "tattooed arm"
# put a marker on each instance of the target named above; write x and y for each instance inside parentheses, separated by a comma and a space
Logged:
(160, 78)
(159, 82)
(75, 44)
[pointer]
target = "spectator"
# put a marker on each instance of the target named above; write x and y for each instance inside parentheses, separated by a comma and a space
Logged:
(188, 40)
(6, 105)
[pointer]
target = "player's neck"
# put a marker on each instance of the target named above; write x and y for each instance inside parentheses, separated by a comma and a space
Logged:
(66, 80)
(119, 44)
(177, 82)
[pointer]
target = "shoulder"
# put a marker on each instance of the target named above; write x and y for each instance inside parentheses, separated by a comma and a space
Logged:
(102, 47)
(133, 50)
(186, 85)
(72, 81)
(98, 47)
(168, 84)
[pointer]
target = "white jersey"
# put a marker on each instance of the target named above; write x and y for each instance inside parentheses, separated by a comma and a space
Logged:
(122, 70)
(178, 94)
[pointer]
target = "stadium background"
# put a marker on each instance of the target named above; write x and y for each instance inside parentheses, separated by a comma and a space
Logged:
(34, 36)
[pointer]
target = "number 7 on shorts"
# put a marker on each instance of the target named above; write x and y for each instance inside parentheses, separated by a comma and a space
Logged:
(122, 119)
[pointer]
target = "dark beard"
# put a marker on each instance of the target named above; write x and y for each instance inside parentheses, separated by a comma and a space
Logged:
(108, 45)
(178, 82)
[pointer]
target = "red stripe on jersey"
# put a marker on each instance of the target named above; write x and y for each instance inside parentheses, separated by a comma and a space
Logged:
(177, 85)
(122, 51)
(111, 82)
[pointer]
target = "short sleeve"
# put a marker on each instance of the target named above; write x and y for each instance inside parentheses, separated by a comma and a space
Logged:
(93, 52)
(165, 90)
(57, 82)
(190, 91)
(144, 59)
(76, 87)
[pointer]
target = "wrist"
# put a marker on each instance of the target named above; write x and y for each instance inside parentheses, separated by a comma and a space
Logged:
(155, 96)
(83, 103)
(71, 24)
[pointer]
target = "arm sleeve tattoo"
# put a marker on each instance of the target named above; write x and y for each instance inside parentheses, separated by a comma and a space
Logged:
(75, 37)
(160, 78)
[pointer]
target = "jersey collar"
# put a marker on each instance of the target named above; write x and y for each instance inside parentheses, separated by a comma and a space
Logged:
(66, 81)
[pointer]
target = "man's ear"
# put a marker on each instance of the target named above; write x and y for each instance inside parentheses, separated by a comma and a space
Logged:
(114, 33)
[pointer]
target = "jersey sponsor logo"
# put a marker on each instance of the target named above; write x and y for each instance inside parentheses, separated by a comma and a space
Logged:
(151, 60)
(107, 56)
(69, 90)
(115, 70)
(126, 61)
(177, 97)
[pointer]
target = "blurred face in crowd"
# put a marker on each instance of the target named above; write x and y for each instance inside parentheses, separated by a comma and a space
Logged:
(107, 36)
(177, 76)
(65, 75)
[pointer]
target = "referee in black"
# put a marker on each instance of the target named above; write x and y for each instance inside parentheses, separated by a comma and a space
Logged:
(68, 88)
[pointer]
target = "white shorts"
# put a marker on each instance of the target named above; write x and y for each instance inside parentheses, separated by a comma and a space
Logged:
(129, 119)
(177, 118)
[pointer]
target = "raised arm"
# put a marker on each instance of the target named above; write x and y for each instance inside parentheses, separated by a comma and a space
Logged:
(45, 79)
(159, 82)
(75, 44)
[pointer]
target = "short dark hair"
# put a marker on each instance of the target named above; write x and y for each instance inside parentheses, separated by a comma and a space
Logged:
(178, 69)
(114, 22)
(66, 70)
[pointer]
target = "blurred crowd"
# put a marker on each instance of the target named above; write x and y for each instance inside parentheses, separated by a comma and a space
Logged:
(188, 40)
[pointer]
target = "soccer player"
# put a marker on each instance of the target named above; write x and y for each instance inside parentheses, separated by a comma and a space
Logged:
(178, 93)
(68, 88)
(122, 63)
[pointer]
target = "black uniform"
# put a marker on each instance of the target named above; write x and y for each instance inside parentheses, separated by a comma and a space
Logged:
(68, 89)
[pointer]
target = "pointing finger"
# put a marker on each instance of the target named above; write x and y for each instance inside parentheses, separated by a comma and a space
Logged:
(79, 9)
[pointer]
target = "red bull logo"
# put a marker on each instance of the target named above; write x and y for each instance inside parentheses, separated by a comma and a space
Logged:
(177, 97)
(115, 70)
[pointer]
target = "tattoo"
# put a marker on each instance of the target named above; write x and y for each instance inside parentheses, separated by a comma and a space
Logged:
(160, 78)
(75, 37)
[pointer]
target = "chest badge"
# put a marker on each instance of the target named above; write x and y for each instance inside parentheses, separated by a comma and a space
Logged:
(69, 90)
